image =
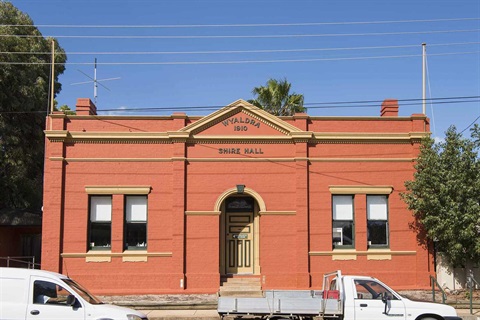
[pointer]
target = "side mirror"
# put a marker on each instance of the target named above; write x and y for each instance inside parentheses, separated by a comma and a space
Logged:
(71, 300)
(385, 297)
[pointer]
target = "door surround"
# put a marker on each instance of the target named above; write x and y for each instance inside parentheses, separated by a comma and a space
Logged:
(259, 206)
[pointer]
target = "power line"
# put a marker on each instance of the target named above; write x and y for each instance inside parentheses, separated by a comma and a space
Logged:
(244, 61)
(212, 108)
(243, 51)
(245, 25)
(399, 100)
(311, 105)
(241, 36)
(471, 124)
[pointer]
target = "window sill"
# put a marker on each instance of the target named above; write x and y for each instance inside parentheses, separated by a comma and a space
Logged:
(98, 256)
(106, 256)
(352, 254)
(135, 255)
(344, 254)
(379, 254)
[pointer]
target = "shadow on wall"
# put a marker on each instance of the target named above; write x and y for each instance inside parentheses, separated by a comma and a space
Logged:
(455, 278)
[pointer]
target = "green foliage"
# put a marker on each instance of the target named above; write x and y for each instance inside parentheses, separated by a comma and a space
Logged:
(24, 91)
(66, 109)
(275, 98)
(445, 195)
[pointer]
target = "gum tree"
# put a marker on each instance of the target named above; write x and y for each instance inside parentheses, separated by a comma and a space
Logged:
(24, 93)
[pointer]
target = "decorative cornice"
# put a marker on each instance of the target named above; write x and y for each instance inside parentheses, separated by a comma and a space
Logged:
(241, 140)
(302, 135)
(110, 137)
(118, 189)
(187, 137)
(361, 189)
(363, 137)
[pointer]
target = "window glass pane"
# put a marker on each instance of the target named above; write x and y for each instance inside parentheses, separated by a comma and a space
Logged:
(136, 222)
(377, 232)
(100, 235)
(370, 289)
(377, 207)
(239, 204)
(100, 209)
(342, 207)
(136, 235)
(136, 208)
(45, 292)
(342, 233)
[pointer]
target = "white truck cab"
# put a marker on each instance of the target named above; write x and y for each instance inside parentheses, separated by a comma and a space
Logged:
(369, 298)
(30, 294)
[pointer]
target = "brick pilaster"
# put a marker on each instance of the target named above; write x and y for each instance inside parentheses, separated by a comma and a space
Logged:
(53, 199)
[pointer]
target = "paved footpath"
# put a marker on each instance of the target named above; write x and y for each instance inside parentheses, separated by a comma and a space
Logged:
(200, 306)
(213, 315)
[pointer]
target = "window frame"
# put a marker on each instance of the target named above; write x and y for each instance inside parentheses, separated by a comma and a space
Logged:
(343, 246)
(127, 247)
(90, 223)
(387, 222)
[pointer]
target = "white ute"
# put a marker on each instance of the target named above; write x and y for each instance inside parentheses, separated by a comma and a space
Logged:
(342, 298)
(30, 294)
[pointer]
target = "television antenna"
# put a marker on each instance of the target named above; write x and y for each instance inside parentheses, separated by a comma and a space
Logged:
(95, 81)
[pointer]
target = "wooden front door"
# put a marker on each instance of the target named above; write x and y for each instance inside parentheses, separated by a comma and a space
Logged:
(239, 230)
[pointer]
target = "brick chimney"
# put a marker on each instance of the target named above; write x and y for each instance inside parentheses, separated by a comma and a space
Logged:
(389, 108)
(85, 107)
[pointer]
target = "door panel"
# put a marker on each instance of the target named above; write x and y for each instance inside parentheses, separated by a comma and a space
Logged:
(375, 309)
(369, 304)
(239, 239)
(47, 301)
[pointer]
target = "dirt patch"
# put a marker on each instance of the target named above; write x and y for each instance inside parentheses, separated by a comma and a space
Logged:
(452, 297)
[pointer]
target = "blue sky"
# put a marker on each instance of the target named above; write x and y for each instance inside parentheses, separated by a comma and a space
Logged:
(342, 76)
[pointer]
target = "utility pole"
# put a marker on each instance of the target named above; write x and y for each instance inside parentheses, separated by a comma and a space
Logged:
(52, 78)
(424, 82)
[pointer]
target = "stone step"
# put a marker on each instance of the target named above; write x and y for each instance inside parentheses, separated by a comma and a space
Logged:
(241, 293)
(241, 282)
(241, 288)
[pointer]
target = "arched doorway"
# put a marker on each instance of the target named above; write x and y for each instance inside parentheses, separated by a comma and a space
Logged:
(239, 232)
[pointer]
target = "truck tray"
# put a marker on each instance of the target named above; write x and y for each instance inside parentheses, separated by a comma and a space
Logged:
(283, 302)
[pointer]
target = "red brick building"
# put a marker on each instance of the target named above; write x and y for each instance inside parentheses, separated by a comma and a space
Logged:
(170, 204)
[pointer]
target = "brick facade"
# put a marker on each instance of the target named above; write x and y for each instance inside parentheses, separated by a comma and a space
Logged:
(189, 166)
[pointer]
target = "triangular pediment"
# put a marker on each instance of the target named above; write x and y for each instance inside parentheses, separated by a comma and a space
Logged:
(240, 118)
